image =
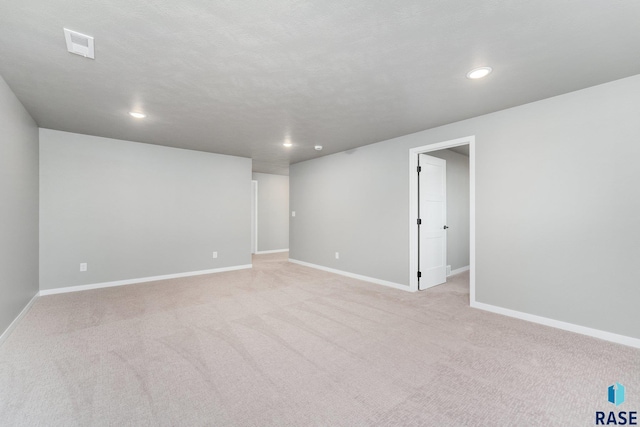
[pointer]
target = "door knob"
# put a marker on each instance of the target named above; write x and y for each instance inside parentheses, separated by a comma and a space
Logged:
(446, 226)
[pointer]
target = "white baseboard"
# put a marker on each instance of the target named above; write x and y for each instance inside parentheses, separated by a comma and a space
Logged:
(272, 252)
(596, 333)
(459, 270)
(17, 320)
(140, 280)
(353, 275)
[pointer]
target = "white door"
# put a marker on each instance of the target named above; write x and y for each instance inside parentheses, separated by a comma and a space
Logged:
(432, 193)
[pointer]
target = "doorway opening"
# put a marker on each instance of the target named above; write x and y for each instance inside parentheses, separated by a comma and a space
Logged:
(418, 220)
(254, 216)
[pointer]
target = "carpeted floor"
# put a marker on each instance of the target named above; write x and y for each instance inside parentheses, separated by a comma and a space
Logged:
(286, 345)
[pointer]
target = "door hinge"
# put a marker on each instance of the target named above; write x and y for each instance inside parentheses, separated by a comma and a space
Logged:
(419, 169)
(419, 274)
(419, 221)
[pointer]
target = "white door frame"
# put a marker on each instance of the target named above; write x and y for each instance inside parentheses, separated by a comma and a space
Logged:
(413, 208)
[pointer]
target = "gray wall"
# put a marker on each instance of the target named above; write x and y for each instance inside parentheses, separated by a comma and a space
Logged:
(19, 208)
(273, 211)
(457, 207)
(134, 210)
(354, 203)
(557, 230)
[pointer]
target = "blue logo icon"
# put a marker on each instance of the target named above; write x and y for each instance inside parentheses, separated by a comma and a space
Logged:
(616, 394)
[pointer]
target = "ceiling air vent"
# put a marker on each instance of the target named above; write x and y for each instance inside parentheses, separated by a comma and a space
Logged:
(79, 44)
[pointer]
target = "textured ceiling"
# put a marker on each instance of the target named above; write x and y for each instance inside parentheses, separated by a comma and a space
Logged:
(239, 76)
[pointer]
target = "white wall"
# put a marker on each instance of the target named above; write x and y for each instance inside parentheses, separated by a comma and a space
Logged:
(19, 207)
(273, 211)
(457, 207)
(133, 210)
(557, 207)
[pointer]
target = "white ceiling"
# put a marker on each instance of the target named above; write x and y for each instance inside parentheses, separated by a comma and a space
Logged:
(239, 76)
(463, 149)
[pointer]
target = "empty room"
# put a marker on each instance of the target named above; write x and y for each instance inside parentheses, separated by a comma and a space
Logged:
(297, 213)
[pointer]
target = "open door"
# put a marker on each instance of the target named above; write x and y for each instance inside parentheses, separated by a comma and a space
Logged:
(432, 211)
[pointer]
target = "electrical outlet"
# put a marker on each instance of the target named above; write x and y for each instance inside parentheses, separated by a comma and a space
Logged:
(83, 266)
(293, 213)
(337, 255)
(215, 255)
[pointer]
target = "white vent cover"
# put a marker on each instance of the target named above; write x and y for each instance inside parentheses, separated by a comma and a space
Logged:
(79, 44)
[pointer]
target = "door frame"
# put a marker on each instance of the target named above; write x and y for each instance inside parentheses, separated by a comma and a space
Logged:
(413, 208)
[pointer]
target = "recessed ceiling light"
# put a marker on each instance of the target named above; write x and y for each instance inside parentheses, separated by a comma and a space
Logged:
(287, 144)
(137, 115)
(478, 73)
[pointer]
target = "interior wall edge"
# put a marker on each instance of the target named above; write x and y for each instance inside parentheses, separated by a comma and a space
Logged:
(7, 332)
(67, 289)
(566, 326)
(353, 275)
(273, 251)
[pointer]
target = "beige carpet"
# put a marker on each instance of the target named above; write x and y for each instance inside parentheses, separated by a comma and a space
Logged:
(286, 345)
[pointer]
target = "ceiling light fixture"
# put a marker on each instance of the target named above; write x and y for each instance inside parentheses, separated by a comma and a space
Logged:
(287, 144)
(137, 115)
(478, 73)
(318, 147)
